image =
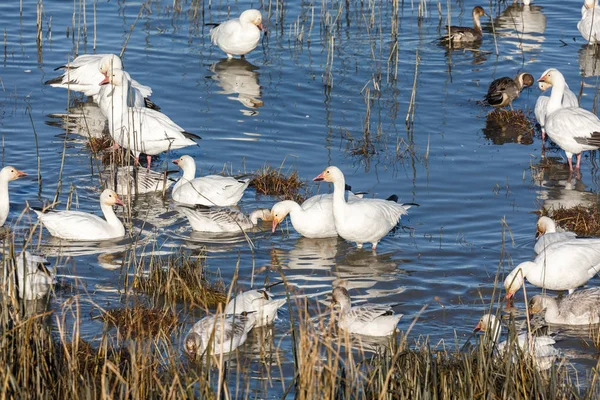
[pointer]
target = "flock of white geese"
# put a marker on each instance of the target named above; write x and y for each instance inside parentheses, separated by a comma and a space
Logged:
(564, 261)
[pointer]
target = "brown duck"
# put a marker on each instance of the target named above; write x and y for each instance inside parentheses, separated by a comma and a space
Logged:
(503, 91)
(461, 34)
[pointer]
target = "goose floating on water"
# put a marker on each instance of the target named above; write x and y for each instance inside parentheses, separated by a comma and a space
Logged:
(581, 307)
(223, 220)
(33, 277)
(548, 233)
(222, 333)
(260, 302)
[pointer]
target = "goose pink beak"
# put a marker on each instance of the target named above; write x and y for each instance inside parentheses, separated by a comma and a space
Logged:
(319, 177)
(274, 226)
(104, 81)
(478, 327)
(21, 174)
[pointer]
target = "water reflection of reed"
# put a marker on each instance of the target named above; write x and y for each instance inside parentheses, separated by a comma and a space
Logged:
(238, 76)
(589, 60)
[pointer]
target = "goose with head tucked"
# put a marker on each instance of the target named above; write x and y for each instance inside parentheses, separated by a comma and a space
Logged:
(541, 105)
(222, 219)
(218, 334)
(140, 130)
(78, 225)
(238, 36)
(581, 307)
(7, 174)
(367, 319)
(260, 302)
(574, 129)
(362, 220)
(462, 34)
(548, 233)
(503, 91)
(209, 190)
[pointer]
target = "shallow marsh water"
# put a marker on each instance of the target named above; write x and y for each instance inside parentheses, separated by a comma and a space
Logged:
(475, 186)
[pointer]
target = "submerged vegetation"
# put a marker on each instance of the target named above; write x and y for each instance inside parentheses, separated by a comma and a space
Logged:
(270, 181)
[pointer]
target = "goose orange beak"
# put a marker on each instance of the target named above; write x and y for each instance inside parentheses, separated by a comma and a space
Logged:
(319, 177)
(21, 174)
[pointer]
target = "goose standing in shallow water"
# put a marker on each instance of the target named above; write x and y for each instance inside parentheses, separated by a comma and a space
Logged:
(547, 233)
(223, 333)
(223, 220)
(238, 36)
(541, 105)
(503, 91)
(259, 302)
(581, 307)
(561, 266)
(77, 225)
(210, 190)
(589, 25)
(7, 174)
(367, 319)
(574, 129)
(363, 220)
(461, 34)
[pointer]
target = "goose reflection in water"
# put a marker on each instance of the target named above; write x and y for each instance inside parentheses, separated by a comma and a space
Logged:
(82, 119)
(559, 187)
(238, 76)
(522, 25)
(589, 60)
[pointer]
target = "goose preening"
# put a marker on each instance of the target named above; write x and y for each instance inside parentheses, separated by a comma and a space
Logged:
(503, 91)
(141, 130)
(238, 36)
(560, 266)
(574, 129)
(260, 302)
(223, 220)
(210, 190)
(7, 174)
(548, 233)
(223, 333)
(541, 105)
(132, 180)
(581, 307)
(461, 34)
(77, 225)
(541, 348)
(367, 319)
(33, 277)
(85, 72)
(362, 220)
(589, 25)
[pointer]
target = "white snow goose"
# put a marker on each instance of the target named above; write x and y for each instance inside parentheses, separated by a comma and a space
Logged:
(34, 278)
(238, 36)
(218, 334)
(367, 319)
(131, 180)
(541, 105)
(260, 302)
(581, 307)
(7, 174)
(589, 25)
(85, 72)
(560, 266)
(548, 233)
(141, 130)
(77, 225)
(223, 220)
(209, 190)
(363, 220)
(574, 129)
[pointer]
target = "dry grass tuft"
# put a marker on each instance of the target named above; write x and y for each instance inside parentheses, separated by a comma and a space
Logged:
(99, 144)
(179, 279)
(272, 182)
(509, 126)
(584, 221)
(140, 321)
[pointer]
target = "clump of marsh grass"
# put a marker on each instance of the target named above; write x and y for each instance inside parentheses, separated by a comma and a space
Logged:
(179, 278)
(98, 144)
(273, 182)
(583, 220)
(139, 321)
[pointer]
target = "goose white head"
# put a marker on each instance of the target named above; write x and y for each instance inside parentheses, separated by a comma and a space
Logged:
(115, 77)
(544, 86)
(9, 173)
(110, 198)
(552, 76)
(516, 278)
(110, 62)
(186, 163)
(489, 323)
(278, 213)
(261, 213)
(254, 17)
(588, 4)
(545, 225)
(330, 174)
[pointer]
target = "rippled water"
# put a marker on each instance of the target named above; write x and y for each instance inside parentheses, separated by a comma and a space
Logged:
(470, 179)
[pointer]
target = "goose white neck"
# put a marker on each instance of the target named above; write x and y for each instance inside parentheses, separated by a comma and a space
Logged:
(4, 200)
(558, 90)
(112, 220)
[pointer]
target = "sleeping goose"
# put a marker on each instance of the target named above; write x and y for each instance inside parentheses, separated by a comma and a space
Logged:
(260, 302)
(7, 174)
(547, 234)
(503, 91)
(461, 34)
(541, 105)
(238, 36)
(572, 128)
(581, 307)
(210, 190)
(85, 72)
(223, 220)
(223, 333)
(366, 319)
(363, 220)
(561, 266)
(140, 130)
(589, 25)
(77, 225)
